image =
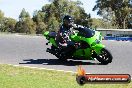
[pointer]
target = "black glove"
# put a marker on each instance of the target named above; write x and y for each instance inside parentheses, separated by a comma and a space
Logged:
(77, 27)
(74, 25)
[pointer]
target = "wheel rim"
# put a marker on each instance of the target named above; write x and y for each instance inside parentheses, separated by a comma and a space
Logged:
(104, 55)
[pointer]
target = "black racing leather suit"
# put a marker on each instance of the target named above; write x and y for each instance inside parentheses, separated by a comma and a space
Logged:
(65, 33)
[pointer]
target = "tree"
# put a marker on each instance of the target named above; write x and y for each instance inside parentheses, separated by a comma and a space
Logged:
(1, 14)
(25, 23)
(52, 14)
(41, 27)
(2, 21)
(100, 23)
(116, 11)
(53, 24)
(130, 21)
(23, 15)
(30, 26)
(10, 24)
(38, 18)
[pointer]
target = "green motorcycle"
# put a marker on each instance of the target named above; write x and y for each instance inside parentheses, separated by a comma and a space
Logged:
(90, 48)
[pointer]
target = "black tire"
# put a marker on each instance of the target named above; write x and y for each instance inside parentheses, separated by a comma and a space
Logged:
(81, 80)
(58, 54)
(105, 57)
(62, 57)
(53, 47)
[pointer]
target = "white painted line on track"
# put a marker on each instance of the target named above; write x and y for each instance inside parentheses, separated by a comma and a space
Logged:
(17, 35)
(42, 68)
(28, 36)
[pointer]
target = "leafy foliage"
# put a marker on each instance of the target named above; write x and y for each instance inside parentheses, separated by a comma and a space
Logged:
(100, 23)
(51, 14)
(116, 11)
(25, 23)
(10, 24)
(1, 21)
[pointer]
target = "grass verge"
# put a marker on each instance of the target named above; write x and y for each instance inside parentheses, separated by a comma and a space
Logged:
(21, 77)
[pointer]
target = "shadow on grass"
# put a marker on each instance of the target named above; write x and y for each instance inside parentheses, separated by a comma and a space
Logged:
(57, 62)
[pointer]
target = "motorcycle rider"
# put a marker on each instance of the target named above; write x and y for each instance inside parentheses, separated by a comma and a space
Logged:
(64, 33)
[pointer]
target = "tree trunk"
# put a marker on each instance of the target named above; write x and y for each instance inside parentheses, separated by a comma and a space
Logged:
(124, 22)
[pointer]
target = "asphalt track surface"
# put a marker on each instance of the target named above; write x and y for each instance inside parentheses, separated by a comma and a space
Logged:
(26, 50)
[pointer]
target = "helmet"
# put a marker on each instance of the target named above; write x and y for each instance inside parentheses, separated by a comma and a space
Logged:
(68, 20)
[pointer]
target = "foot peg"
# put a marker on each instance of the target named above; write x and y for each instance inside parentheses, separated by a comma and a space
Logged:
(50, 51)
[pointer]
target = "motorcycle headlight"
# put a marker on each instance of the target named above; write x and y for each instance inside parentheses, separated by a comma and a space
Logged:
(97, 41)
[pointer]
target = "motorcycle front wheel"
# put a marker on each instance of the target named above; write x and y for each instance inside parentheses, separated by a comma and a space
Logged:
(105, 57)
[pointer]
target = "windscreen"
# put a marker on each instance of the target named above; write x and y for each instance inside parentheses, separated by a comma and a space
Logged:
(86, 32)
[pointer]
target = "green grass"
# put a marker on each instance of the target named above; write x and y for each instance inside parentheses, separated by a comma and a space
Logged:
(21, 77)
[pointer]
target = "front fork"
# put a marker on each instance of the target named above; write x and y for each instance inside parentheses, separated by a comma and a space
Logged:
(97, 48)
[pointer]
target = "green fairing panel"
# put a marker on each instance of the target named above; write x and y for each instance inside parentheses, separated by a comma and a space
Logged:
(87, 53)
(75, 37)
(53, 41)
(92, 39)
(98, 48)
(79, 53)
(46, 33)
(88, 40)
